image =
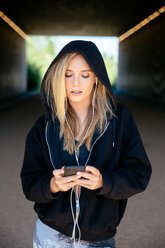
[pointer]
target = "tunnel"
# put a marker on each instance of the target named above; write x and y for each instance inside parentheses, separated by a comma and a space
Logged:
(140, 85)
(141, 67)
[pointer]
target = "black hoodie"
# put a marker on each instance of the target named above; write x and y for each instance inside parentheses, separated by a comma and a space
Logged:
(118, 153)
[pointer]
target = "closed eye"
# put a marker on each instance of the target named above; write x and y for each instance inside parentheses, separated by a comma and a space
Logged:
(85, 76)
(68, 75)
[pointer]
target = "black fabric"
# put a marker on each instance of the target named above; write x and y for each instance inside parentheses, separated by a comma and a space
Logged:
(125, 167)
(67, 159)
(83, 154)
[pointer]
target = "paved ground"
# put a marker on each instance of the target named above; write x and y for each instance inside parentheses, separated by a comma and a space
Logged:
(143, 225)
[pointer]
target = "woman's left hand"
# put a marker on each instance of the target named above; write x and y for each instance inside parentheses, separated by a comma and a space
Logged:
(90, 179)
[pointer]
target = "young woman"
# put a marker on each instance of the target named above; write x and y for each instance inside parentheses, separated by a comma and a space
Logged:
(83, 124)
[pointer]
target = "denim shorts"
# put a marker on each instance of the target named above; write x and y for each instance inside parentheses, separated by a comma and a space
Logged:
(46, 237)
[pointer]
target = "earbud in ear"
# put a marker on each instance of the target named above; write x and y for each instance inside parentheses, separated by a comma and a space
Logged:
(96, 81)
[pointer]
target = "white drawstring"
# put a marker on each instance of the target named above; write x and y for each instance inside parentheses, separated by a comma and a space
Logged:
(75, 217)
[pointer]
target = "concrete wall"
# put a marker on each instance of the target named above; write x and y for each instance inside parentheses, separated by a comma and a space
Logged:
(142, 63)
(12, 62)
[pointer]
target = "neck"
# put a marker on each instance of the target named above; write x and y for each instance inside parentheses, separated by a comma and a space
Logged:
(81, 109)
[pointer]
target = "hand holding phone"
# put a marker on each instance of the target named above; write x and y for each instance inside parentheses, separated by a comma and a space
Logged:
(73, 169)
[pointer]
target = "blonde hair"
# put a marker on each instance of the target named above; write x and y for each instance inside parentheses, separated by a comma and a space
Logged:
(54, 89)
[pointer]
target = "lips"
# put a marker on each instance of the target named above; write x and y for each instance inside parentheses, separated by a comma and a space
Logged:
(76, 92)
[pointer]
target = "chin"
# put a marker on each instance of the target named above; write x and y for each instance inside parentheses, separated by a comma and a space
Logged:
(75, 100)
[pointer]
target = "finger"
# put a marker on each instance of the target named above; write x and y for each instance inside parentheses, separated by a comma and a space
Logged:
(67, 186)
(86, 183)
(92, 170)
(58, 172)
(86, 175)
(68, 179)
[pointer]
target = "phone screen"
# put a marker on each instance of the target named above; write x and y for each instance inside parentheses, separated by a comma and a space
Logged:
(73, 169)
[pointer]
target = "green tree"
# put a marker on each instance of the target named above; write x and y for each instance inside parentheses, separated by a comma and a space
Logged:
(111, 66)
(39, 56)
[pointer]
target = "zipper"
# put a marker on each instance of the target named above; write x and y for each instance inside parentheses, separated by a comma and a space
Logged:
(95, 142)
(48, 145)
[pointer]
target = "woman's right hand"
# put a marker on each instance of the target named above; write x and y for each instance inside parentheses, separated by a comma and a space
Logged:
(60, 183)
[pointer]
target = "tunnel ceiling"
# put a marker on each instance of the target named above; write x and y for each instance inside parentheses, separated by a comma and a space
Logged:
(91, 17)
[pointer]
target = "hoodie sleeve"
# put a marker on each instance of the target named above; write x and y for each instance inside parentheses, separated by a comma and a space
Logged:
(134, 171)
(35, 180)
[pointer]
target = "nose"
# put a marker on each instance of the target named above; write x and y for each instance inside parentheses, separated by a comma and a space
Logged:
(76, 81)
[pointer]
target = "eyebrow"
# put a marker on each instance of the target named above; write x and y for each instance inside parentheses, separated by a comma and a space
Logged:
(81, 71)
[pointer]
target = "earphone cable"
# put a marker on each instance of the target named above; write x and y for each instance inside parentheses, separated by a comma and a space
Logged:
(78, 188)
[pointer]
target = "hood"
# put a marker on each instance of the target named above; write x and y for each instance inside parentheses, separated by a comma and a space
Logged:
(94, 59)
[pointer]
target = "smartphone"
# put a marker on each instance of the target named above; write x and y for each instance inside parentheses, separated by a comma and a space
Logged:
(73, 169)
